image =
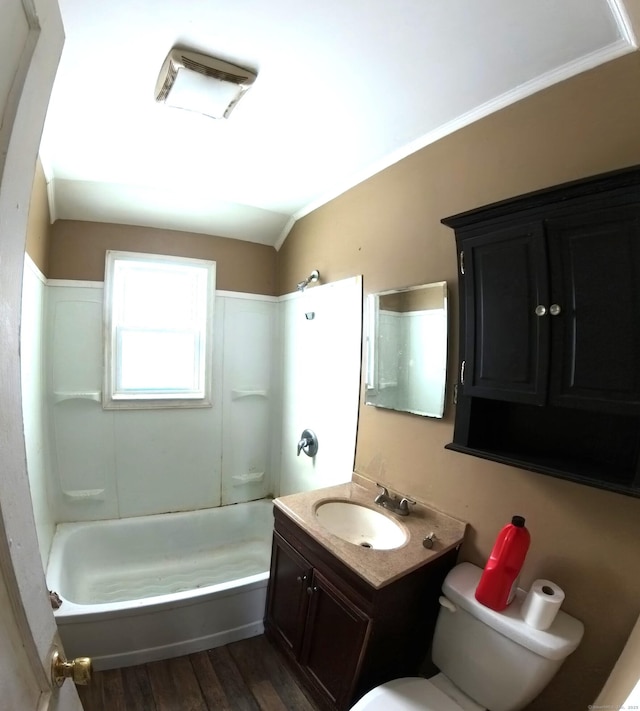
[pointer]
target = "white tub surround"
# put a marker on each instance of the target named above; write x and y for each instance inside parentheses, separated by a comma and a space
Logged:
(152, 587)
(267, 353)
(107, 464)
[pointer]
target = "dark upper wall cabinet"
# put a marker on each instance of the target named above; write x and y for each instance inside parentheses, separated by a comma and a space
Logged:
(550, 331)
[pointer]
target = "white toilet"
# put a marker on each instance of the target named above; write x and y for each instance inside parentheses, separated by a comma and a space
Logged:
(487, 659)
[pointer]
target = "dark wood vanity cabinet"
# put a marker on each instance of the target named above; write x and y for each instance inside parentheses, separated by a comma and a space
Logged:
(342, 636)
(323, 630)
(550, 331)
(290, 577)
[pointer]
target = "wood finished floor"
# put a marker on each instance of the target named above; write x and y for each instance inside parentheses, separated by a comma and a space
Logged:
(249, 675)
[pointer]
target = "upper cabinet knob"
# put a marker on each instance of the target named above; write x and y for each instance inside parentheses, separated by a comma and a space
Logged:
(541, 310)
(554, 309)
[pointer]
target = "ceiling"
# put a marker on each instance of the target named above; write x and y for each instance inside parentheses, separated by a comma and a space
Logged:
(344, 89)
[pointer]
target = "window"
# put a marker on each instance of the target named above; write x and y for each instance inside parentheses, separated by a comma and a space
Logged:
(158, 315)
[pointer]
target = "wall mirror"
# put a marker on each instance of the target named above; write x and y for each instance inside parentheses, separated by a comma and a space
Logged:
(407, 349)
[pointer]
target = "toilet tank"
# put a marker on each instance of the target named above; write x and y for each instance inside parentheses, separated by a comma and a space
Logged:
(495, 657)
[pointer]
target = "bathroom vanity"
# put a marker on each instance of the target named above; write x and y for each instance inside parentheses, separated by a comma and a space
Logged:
(349, 617)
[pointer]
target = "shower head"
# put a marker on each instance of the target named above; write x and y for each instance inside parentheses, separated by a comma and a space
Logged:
(313, 277)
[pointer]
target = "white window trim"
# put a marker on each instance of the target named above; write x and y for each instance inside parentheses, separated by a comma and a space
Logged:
(156, 401)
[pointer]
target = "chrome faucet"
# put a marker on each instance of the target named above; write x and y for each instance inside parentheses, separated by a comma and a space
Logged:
(397, 505)
(308, 443)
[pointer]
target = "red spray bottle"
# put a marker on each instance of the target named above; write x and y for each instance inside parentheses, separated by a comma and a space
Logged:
(497, 585)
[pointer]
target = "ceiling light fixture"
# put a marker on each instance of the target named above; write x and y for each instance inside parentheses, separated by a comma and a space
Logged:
(196, 82)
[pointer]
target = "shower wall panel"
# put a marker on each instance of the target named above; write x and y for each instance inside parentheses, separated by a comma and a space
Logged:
(250, 399)
(82, 433)
(33, 403)
(110, 464)
(321, 335)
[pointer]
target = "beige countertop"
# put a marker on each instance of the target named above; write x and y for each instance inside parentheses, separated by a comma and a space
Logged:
(377, 567)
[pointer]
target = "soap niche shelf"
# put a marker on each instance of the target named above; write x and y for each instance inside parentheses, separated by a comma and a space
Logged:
(248, 478)
(94, 395)
(238, 393)
(80, 495)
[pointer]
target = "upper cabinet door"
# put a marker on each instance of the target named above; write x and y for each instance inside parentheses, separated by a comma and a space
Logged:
(506, 332)
(595, 258)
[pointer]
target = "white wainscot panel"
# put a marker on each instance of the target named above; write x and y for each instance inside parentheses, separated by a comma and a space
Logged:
(82, 433)
(75, 318)
(166, 460)
(83, 437)
(249, 398)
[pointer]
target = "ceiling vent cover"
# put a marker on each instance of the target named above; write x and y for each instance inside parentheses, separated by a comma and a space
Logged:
(197, 82)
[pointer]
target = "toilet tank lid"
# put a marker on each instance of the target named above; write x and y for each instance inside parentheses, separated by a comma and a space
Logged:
(555, 643)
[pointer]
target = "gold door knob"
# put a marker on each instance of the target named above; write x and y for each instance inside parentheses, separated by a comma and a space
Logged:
(79, 669)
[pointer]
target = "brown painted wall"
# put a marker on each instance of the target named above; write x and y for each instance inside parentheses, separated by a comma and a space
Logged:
(388, 229)
(78, 252)
(38, 226)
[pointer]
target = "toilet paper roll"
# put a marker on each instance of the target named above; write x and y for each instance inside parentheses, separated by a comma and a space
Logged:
(541, 604)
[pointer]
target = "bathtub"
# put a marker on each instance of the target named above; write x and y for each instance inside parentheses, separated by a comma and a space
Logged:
(141, 589)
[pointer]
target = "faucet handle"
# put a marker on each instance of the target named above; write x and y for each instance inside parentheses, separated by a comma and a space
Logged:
(382, 495)
(384, 489)
(304, 442)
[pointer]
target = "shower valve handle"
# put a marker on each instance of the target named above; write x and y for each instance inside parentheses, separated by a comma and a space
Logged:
(308, 443)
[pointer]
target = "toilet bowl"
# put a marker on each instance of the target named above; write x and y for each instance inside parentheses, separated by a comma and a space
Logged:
(408, 694)
(487, 659)
(416, 694)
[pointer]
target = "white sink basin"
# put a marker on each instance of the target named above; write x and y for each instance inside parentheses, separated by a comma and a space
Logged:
(361, 525)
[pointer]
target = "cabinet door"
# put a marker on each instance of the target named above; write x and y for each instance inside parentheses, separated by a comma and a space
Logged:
(506, 343)
(335, 636)
(595, 267)
(287, 598)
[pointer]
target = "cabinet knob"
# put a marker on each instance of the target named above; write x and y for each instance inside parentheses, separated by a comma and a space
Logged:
(541, 310)
(301, 578)
(311, 590)
(554, 309)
